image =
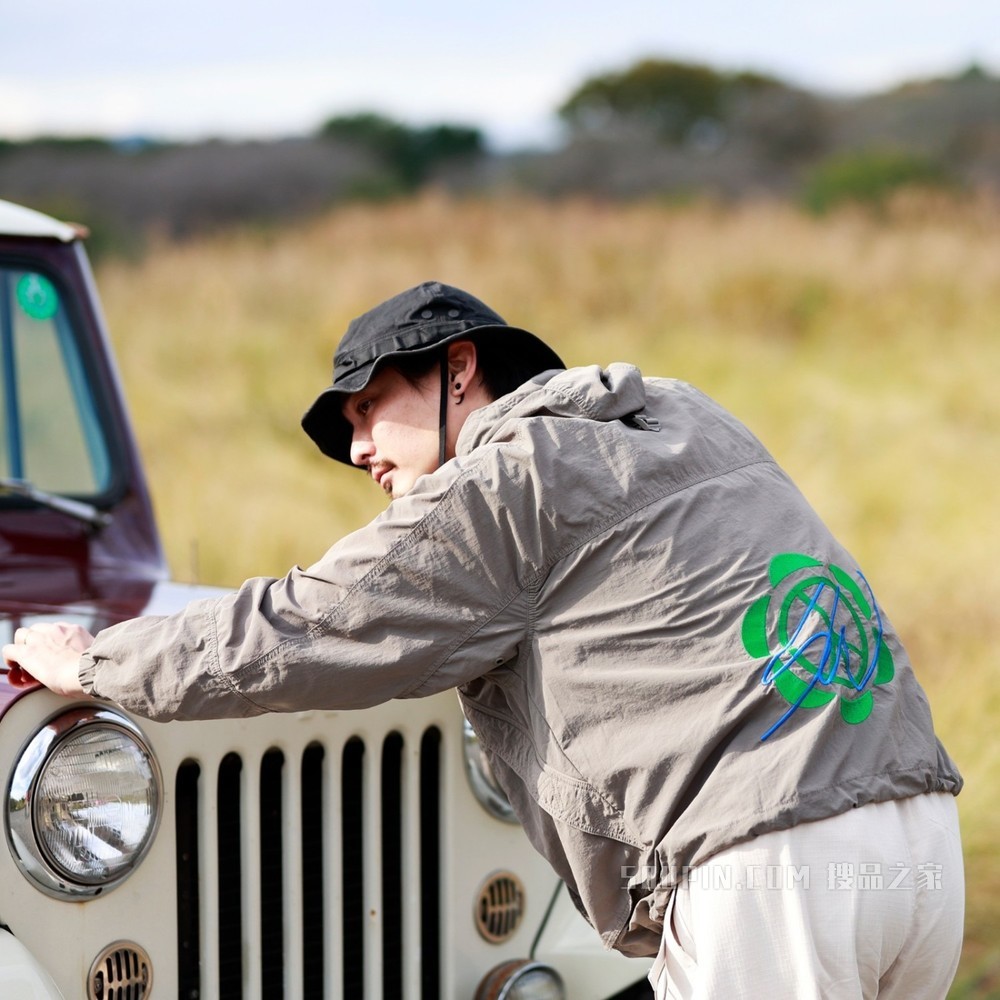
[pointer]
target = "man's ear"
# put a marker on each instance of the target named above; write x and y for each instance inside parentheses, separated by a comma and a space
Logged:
(462, 366)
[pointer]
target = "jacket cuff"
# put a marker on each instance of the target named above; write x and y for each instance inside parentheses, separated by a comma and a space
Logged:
(86, 672)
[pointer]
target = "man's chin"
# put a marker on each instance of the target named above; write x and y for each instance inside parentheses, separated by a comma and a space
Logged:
(398, 483)
(399, 487)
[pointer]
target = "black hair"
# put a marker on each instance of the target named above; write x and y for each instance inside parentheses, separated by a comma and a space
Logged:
(501, 369)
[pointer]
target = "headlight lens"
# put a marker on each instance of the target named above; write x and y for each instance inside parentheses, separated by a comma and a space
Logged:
(83, 802)
(484, 786)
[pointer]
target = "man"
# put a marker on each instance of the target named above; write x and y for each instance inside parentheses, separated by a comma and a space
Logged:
(687, 687)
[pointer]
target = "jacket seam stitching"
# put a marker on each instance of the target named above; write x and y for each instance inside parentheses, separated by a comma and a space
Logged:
(648, 499)
(215, 665)
(586, 786)
(419, 531)
(479, 626)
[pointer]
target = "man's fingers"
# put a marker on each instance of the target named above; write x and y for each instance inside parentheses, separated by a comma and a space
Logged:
(13, 654)
(51, 628)
(47, 652)
(16, 674)
(54, 634)
(19, 677)
(26, 633)
(51, 663)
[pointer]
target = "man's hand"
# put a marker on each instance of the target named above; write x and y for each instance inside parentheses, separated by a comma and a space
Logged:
(50, 653)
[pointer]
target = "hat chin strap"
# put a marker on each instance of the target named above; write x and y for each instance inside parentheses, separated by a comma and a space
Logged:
(443, 408)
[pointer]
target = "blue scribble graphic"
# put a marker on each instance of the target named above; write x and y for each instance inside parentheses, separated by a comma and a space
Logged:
(833, 648)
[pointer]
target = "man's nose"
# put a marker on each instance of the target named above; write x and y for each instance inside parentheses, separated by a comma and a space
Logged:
(361, 451)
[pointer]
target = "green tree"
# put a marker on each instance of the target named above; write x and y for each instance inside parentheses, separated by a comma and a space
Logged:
(408, 154)
(665, 96)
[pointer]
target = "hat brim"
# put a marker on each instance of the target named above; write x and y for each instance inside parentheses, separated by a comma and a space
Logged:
(332, 432)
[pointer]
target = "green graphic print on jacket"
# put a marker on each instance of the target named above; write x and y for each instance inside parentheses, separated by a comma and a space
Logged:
(821, 632)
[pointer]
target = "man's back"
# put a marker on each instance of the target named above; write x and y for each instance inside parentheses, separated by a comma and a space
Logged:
(699, 660)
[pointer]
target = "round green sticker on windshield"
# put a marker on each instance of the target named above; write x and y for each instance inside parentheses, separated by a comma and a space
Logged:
(37, 296)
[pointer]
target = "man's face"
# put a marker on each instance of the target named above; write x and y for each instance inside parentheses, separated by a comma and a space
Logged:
(395, 427)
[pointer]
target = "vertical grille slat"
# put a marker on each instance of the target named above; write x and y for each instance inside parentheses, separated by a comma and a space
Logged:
(229, 847)
(311, 872)
(208, 860)
(372, 867)
(430, 863)
(252, 881)
(291, 860)
(412, 931)
(392, 866)
(352, 867)
(272, 927)
(188, 897)
(332, 889)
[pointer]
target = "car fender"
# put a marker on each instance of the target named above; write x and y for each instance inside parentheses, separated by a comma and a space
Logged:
(21, 975)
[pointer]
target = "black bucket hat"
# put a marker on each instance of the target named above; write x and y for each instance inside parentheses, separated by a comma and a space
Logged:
(416, 321)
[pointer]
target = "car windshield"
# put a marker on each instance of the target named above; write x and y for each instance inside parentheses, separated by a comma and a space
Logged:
(50, 434)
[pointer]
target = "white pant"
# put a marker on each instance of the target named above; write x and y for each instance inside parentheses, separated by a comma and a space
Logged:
(866, 904)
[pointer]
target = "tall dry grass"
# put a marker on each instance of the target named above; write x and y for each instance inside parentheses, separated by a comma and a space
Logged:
(864, 351)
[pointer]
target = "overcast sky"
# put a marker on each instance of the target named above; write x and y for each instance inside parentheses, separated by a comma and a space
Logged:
(241, 68)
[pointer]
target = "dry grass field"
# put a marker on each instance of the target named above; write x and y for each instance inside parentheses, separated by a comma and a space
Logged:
(863, 350)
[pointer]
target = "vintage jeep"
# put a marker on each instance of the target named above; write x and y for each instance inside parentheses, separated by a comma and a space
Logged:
(323, 854)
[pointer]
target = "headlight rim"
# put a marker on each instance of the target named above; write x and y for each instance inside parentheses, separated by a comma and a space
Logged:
(31, 856)
(500, 981)
(482, 782)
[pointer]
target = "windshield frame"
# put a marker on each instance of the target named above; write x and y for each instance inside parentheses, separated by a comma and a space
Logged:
(84, 373)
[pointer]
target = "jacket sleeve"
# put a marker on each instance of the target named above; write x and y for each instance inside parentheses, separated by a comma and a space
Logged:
(429, 595)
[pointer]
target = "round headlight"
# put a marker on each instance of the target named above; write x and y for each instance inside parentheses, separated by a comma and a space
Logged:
(484, 786)
(83, 802)
(521, 980)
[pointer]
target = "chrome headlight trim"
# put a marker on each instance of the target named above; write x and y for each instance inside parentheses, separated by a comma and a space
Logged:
(33, 855)
(484, 786)
(509, 981)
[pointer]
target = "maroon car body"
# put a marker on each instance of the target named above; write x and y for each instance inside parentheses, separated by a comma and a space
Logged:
(53, 564)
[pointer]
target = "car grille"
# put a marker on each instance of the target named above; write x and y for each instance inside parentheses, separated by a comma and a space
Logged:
(312, 874)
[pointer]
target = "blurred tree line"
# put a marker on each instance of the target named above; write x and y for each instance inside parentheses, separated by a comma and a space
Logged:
(680, 129)
(688, 105)
(407, 156)
(658, 127)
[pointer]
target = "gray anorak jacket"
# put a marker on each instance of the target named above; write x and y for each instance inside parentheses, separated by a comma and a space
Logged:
(662, 648)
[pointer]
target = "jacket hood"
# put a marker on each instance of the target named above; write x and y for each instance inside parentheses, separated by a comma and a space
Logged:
(617, 392)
